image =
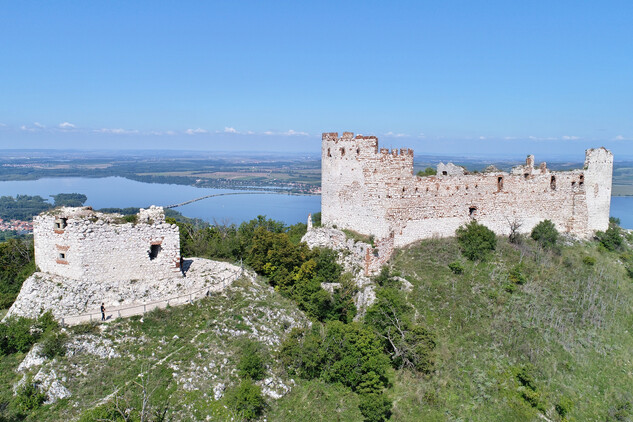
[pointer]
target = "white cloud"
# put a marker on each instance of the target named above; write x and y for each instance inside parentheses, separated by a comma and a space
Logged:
(510, 138)
(294, 133)
(28, 129)
(570, 138)
(229, 130)
(396, 135)
(289, 132)
(422, 135)
(195, 131)
(37, 124)
(66, 125)
(482, 138)
(619, 138)
(115, 131)
(536, 138)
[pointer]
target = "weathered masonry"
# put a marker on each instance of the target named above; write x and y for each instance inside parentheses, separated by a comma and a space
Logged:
(373, 191)
(79, 243)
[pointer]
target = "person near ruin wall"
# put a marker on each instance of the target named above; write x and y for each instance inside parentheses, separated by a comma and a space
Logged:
(102, 311)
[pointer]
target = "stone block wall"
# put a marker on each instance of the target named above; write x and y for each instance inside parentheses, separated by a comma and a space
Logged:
(373, 191)
(80, 243)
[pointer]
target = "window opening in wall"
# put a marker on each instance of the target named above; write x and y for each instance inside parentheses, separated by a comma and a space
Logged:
(500, 182)
(61, 223)
(342, 151)
(357, 151)
(153, 251)
(61, 255)
(402, 190)
(582, 180)
(472, 212)
(552, 183)
(573, 184)
(445, 173)
(329, 153)
(526, 175)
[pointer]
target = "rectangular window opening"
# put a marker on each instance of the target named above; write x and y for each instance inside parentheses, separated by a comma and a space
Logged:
(153, 251)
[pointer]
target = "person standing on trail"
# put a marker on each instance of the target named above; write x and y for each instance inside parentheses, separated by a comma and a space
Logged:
(102, 312)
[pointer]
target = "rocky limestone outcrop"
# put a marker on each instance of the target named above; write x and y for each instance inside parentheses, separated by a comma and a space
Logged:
(353, 257)
(66, 297)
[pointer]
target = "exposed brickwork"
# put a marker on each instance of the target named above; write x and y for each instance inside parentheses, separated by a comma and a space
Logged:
(373, 191)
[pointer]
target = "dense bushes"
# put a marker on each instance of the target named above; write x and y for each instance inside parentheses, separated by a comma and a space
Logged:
(274, 251)
(18, 334)
(246, 400)
(251, 364)
(17, 263)
(350, 354)
(545, 234)
(476, 241)
(409, 345)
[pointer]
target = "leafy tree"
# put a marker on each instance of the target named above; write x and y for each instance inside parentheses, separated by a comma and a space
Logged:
(69, 199)
(375, 407)
(545, 234)
(246, 400)
(476, 241)
(409, 345)
(429, 171)
(17, 263)
(611, 239)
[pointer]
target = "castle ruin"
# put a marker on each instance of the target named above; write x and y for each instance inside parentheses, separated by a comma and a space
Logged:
(374, 192)
(80, 243)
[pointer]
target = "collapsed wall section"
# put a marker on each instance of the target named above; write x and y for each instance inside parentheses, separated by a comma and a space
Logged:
(373, 191)
(80, 243)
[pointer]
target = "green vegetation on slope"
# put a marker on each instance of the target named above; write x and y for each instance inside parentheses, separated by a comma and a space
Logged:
(482, 329)
(559, 343)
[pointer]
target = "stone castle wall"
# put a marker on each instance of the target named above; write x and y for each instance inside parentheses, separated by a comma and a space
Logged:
(373, 191)
(79, 243)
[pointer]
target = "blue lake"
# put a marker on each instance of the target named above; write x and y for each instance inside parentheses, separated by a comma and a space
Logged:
(120, 193)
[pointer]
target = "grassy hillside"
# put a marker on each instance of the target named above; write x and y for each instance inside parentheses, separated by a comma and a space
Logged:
(529, 334)
(568, 328)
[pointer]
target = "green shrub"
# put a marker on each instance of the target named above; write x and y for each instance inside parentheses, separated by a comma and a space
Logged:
(611, 239)
(132, 218)
(54, 344)
(246, 400)
(47, 322)
(251, 364)
(375, 407)
(16, 335)
(456, 267)
(510, 287)
(563, 407)
(28, 397)
(105, 412)
(516, 275)
(429, 171)
(545, 234)
(476, 241)
(589, 261)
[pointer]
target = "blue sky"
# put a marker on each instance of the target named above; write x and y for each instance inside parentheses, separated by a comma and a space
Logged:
(456, 77)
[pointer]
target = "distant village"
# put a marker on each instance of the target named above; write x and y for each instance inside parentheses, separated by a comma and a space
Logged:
(19, 226)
